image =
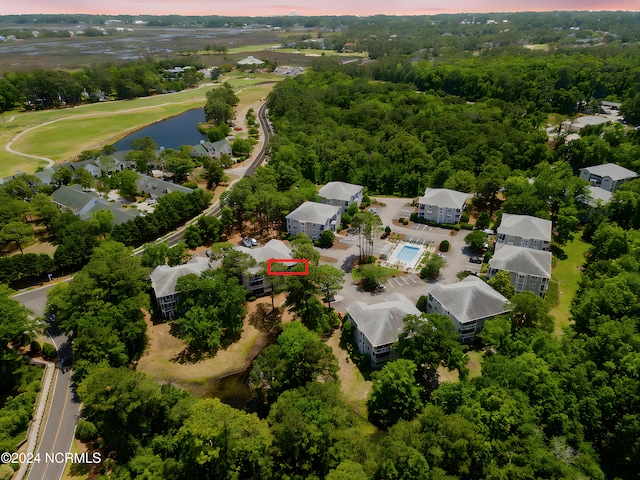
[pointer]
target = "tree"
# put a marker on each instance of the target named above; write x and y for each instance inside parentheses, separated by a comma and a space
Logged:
(214, 306)
(179, 164)
(326, 239)
(217, 441)
(123, 404)
(178, 254)
(501, 282)
(16, 330)
(328, 280)
(209, 228)
(367, 225)
(476, 240)
(483, 221)
(42, 206)
(394, 394)
(429, 341)
(192, 236)
(103, 220)
(432, 266)
(297, 358)
(144, 143)
(310, 426)
(62, 176)
(155, 254)
(302, 247)
(530, 311)
(125, 182)
(18, 232)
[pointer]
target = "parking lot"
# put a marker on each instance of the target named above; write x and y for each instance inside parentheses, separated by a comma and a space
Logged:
(410, 285)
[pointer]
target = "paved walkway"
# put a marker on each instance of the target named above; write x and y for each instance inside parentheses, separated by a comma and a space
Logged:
(36, 422)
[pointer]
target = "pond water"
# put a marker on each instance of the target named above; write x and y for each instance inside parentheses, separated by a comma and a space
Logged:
(170, 133)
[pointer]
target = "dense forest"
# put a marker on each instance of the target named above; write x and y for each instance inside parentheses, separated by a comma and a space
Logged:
(42, 89)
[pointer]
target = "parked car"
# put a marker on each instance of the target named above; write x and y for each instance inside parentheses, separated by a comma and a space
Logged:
(475, 260)
(249, 242)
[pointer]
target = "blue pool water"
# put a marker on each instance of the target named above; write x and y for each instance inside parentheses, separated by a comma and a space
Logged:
(407, 254)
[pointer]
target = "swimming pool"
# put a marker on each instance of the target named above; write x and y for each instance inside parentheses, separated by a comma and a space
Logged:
(406, 255)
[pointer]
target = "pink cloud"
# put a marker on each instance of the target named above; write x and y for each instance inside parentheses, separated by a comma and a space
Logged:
(328, 7)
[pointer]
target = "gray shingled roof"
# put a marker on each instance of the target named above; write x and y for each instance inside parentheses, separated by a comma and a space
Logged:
(339, 191)
(164, 277)
(313, 212)
(616, 172)
(521, 260)
(525, 226)
(84, 204)
(157, 187)
(382, 322)
(599, 193)
(444, 198)
(73, 197)
(470, 299)
(273, 249)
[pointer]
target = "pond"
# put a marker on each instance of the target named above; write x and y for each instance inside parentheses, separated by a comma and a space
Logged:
(170, 133)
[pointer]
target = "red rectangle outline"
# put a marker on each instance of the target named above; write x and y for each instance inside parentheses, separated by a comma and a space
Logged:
(288, 260)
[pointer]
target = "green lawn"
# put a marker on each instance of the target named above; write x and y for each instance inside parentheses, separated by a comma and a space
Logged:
(383, 272)
(62, 134)
(567, 273)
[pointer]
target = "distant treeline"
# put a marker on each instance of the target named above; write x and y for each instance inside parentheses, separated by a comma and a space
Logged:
(42, 89)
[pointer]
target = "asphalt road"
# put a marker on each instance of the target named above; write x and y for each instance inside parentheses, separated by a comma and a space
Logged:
(64, 408)
(216, 210)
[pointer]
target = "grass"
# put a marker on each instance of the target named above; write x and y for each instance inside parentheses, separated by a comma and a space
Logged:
(383, 272)
(567, 273)
(47, 133)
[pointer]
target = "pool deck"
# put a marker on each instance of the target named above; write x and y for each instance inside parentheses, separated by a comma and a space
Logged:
(406, 265)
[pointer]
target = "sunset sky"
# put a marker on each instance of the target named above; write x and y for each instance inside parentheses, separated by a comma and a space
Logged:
(325, 7)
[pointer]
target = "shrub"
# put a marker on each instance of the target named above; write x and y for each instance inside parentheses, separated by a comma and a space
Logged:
(414, 217)
(466, 226)
(86, 431)
(49, 351)
(35, 347)
(444, 246)
(422, 303)
(405, 222)
(464, 218)
(326, 239)
(6, 472)
(252, 298)
(191, 185)
(387, 229)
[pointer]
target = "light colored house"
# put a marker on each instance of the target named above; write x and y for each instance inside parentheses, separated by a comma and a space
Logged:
(156, 188)
(442, 205)
(313, 218)
(377, 326)
(525, 231)
(164, 279)
(211, 149)
(608, 176)
(250, 60)
(341, 194)
(256, 282)
(529, 269)
(85, 203)
(469, 304)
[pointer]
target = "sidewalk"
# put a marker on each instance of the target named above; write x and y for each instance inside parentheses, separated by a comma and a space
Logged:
(33, 432)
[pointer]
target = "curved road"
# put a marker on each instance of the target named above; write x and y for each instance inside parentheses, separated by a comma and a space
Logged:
(58, 433)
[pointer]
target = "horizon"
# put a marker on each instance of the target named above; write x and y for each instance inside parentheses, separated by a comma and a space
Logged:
(258, 8)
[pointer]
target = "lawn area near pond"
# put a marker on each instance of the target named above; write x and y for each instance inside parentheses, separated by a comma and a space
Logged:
(62, 134)
(567, 273)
